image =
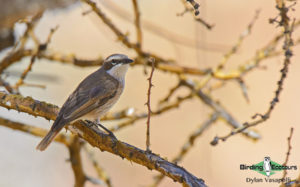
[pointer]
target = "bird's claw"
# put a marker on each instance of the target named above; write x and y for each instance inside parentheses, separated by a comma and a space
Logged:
(111, 134)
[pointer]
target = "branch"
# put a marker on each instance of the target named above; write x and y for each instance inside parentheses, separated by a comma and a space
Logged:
(196, 11)
(28, 105)
(137, 23)
(219, 109)
(76, 163)
(264, 53)
(217, 72)
(159, 111)
(25, 73)
(7, 86)
(238, 44)
(171, 92)
(14, 57)
(40, 48)
(35, 131)
(101, 140)
(121, 36)
(161, 31)
(149, 107)
(288, 43)
(288, 152)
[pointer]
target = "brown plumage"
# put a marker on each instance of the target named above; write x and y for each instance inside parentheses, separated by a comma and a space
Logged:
(93, 97)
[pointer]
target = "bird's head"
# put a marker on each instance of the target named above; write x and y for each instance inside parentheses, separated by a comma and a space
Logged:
(117, 65)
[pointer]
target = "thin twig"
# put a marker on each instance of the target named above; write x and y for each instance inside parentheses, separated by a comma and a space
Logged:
(162, 31)
(288, 152)
(137, 23)
(157, 112)
(195, 6)
(35, 131)
(171, 92)
(244, 89)
(217, 107)
(121, 36)
(76, 163)
(7, 86)
(40, 48)
(19, 47)
(196, 12)
(288, 43)
(264, 53)
(149, 107)
(25, 73)
(239, 42)
(218, 71)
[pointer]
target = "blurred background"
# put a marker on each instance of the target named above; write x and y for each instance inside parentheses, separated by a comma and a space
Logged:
(88, 38)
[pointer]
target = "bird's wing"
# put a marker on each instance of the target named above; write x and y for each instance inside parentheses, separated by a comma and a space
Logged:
(91, 93)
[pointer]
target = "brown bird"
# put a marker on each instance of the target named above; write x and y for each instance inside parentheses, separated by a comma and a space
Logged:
(93, 97)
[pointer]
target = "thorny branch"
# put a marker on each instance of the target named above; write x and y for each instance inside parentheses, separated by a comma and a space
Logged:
(288, 152)
(101, 140)
(288, 43)
(149, 107)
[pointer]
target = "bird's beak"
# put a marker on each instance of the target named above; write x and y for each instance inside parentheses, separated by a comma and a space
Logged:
(128, 61)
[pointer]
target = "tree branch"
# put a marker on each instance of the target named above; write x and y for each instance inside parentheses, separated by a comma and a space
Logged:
(219, 109)
(288, 152)
(149, 107)
(35, 131)
(137, 23)
(101, 140)
(287, 47)
(76, 163)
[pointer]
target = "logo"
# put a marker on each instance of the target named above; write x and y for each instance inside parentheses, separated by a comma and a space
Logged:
(267, 167)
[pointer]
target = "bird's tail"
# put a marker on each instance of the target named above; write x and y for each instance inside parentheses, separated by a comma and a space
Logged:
(56, 127)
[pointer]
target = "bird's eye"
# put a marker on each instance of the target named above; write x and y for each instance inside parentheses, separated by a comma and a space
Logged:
(113, 62)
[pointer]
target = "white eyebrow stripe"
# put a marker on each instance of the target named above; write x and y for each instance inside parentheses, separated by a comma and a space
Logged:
(116, 57)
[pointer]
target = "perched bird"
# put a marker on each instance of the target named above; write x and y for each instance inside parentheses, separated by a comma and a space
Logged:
(93, 97)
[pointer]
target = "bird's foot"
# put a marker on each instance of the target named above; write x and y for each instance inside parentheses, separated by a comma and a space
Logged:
(111, 134)
(90, 123)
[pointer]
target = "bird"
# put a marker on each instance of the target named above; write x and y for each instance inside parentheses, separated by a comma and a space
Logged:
(93, 97)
